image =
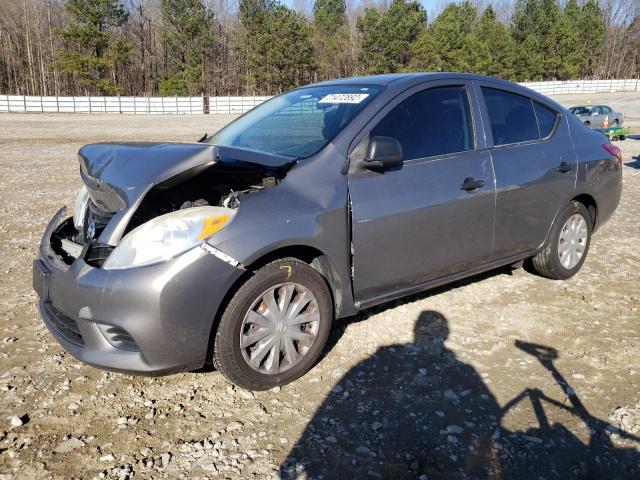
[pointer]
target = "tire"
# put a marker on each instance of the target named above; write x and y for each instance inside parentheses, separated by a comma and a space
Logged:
(587, 124)
(548, 262)
(232, 360)
(615, 124)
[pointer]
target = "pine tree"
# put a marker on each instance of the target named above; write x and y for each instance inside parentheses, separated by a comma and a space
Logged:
(331, 38)
(91, 51)
(591, 27)
(449, 44)
(188, 36)
(387, 37)
(572, 49)
(497, 51)
(278, 46)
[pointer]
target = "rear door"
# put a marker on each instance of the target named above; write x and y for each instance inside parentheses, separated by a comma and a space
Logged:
(416, 223)
(535, 167)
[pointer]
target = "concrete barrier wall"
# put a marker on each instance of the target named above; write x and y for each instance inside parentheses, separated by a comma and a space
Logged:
(240, 104)
(584, 86)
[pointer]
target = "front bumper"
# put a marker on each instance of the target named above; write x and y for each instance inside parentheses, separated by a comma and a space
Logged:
(165, 311)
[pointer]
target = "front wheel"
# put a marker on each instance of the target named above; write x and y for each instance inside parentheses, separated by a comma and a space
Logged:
(566, 248)
(275, 326)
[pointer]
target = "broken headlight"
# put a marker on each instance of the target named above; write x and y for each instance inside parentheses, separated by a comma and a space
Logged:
(167, 236)
(80, 208)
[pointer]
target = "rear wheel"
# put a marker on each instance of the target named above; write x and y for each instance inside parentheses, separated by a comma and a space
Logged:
(615, 123)
(275, 326)
(566, 249)
(587, 123)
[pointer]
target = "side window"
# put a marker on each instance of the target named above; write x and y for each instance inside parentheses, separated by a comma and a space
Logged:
(606, 109)
(433, 122)
(511, 116)
(546, 119)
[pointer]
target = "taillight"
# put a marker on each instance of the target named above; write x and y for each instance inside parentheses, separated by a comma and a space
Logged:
(613, 150)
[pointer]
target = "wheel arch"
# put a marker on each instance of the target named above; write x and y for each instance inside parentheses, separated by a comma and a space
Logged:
(317, 259)
(306, 253)
(590, 204)
(585, 199)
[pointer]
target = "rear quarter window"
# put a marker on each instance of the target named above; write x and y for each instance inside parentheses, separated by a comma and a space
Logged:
(546, 119)
(517, 118)
(511, 116)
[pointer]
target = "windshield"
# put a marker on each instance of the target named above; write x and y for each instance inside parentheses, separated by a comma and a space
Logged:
(298, 123)
(580, 110)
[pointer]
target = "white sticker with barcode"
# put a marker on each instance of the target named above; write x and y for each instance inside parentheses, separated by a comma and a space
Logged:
(344, 98)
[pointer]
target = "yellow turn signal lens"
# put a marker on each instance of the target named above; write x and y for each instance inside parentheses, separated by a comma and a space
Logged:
(211, 225)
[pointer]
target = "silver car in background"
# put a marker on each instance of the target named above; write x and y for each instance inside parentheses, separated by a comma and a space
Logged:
(597, 116)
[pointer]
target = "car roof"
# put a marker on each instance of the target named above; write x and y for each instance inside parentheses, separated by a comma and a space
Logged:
(397, 78)
(396, 82)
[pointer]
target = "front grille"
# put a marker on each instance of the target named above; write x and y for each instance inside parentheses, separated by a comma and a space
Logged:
(119, 338)
(65, 326)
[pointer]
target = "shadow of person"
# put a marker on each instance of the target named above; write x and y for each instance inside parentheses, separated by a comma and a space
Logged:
(635, 161)
(408, 410)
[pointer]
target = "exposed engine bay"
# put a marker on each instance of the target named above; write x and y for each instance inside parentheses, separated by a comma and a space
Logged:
(205, 183)
(220, 185)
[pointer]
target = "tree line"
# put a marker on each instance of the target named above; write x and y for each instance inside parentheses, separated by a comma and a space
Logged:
(214, 47)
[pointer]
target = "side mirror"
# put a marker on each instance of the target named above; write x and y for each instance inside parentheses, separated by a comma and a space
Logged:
(383, 153)
(594, 113)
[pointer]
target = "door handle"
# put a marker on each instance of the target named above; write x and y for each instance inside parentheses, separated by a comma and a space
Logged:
(565, 167)
(471, 183)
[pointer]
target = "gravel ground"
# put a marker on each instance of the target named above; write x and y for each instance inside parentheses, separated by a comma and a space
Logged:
(507, 372)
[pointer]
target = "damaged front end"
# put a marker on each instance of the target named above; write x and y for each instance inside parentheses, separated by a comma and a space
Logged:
(150, 206)
(142, 203)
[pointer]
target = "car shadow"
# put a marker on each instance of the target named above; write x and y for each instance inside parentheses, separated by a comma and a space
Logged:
(415, 410)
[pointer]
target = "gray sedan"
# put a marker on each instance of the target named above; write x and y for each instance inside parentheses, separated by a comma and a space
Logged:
(598, 116)
(241, 250)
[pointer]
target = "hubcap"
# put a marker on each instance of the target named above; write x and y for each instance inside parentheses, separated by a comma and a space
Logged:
(573, 241)
(279, 328)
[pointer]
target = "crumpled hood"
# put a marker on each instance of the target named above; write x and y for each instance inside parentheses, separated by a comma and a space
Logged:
(118, 174)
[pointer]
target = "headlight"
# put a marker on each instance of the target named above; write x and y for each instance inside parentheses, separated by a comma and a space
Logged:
(80, 209)
(167, 236)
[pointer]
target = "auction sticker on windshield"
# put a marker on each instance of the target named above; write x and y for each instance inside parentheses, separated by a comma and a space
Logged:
(344, 98)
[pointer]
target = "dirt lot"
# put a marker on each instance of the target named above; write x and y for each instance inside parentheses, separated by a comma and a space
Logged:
(528, 377)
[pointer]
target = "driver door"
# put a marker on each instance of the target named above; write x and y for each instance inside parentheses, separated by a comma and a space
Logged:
(417, 223)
